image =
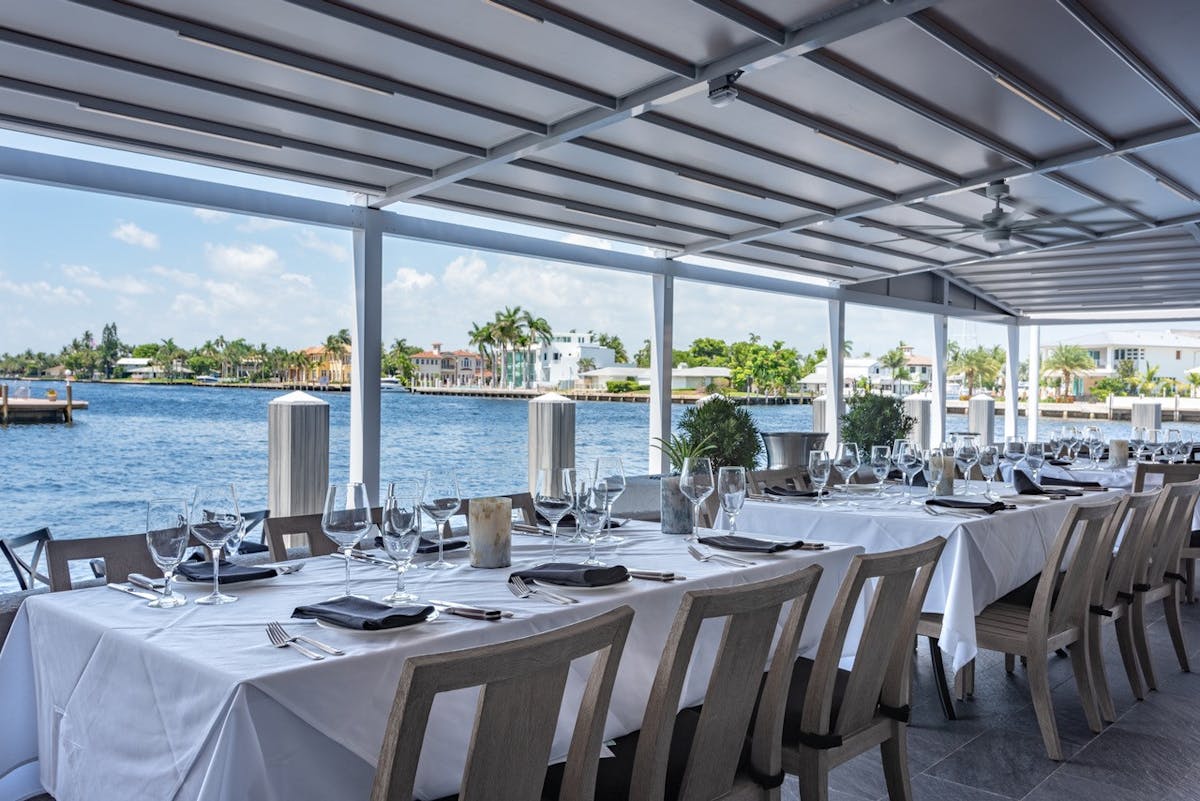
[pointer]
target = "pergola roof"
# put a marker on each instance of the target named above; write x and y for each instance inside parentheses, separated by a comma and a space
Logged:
(854, 123)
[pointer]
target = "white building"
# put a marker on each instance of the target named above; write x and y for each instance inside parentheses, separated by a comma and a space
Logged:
(1174, 353)
(557, 363)
(854, 369)
(681, 377)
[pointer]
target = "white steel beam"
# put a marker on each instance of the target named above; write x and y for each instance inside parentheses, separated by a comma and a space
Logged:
(937, 419)
(365, 422)
(835, 398)
(661, 352)
(1012, 391)
(1033, 403)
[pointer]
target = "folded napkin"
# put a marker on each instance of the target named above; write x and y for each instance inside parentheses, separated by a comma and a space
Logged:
(784, 492)
(991, 507)
(919, 480)
(1060, 462)
(1051, 481)
(573, 575)
(230, 573)
(429, 544)
(736, 542)
(1024, 485)
(359, 613)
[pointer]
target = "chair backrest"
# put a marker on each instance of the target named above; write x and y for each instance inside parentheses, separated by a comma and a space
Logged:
(1133, 521)
(521, 502)
(751, 613)
(1060, 604)
(1172, 524)
(26, 571)
(122, 554)
(255, 519)
(795, 478)
(881, 675)
(522, 683)
(276, 528)
(1148, 475)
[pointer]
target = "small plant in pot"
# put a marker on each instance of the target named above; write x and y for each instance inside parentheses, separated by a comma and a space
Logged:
(675, 509)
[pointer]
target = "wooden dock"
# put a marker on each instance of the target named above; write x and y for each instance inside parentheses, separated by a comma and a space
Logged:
(38, 410)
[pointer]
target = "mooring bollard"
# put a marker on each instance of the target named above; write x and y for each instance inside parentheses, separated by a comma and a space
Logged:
(297, 454)
(981, 417)
(551, 434)
(921, 410)
(1145, 414)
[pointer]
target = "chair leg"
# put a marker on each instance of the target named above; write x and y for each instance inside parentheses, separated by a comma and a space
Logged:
(964, 681)
(813, 776)
(939, 678)
(1124, 626)
(1080, 665)
(1189, 570)
(1171, 609)
(1010, 663)
(1142, 643)
(1095, 638)
(894, 752)
(1039, 689)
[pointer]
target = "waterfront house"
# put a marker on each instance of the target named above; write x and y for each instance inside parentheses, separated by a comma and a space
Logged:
(324, 366)
(457, 368)
(558, 361)
(1173, 353)
(854, 370)
(685, 378)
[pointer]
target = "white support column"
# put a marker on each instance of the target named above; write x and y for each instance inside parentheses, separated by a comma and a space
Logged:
(937, 417)
(1035, 383)
(835, 399)
(1012, 368)
(364, 367)
(661, 345)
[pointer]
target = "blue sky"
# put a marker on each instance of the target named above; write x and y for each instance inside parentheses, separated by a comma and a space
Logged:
(72, 260)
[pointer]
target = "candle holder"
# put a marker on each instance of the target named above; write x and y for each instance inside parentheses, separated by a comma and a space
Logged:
(489, 526)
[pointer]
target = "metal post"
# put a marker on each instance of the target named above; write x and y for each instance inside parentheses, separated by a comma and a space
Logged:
(551, 435)
(937, 418)
(660, 369)
(835, 398)
(1032, 406)
(365, 355)
(1012, 390)
(69, 411)
(4, 404)
(297, 454)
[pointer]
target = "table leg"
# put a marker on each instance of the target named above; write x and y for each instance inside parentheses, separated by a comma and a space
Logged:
(939, 678)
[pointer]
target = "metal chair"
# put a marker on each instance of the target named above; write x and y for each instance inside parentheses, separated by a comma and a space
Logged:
(26, 571)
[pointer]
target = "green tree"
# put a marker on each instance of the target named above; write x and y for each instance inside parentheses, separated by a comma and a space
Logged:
(642, 357)
(1193, 378)
(397, 360)
(148, 350)
(110, 349)
(896, 360)
(535, 331)
(872, 419)
(1067, 361)
(707, 351)
(620, 355)
(978, 366)
(483, 336)
(167, 355)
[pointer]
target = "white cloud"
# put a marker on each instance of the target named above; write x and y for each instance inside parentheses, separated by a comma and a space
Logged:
(131, 234)
(256, 224)
(243, 260)
(181, 277)
(309, 240)
(297, 278)
(408, 280)
(44, 292)
(465, 271)
(211, 215)
(121, 284)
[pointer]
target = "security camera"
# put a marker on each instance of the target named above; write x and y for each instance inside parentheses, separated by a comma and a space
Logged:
(721, 91)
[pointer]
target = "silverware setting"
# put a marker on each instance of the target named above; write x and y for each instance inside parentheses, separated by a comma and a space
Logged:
(284, 568)
(279, 639)
(329, 649)
(147, 583)
(146, 596)
(655, 575)
(707, 556)
(451, 606)
(518, 587)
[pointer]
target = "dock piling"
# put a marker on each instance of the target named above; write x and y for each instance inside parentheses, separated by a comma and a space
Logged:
(68, 412)
(4, 404)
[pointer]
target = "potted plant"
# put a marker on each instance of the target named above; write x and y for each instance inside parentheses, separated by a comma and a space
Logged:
(675, 509)
(727, 428)
(52, 394)
(872, 419)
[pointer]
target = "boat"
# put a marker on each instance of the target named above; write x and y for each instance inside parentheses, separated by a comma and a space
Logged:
(390, 383)
(207, 380)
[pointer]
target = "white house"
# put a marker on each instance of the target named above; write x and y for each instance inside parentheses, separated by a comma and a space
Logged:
(1173, 352)
(557, 363)
(681, 377)
(853, 370)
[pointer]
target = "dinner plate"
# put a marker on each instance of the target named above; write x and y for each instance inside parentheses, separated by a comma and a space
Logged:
(434, 615)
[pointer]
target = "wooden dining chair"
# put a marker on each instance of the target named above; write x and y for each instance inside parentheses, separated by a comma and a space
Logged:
(122, 554)
(1161, 579)
(1035, 625)
(1133, 524)
(522, 684)
(795, 478)
(1154, 473)
(833, 715)
(699, 753)
(26, 571)
(306, 527)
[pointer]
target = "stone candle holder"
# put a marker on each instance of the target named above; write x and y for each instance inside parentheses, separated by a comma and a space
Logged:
(489, 526)
(1118, 453)
(945, 485)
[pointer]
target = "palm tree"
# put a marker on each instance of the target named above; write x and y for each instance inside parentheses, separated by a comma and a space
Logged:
(1067, 360)
(507, 327)
(167, 353)
(535, 331)
(484, 337)
(895, 360)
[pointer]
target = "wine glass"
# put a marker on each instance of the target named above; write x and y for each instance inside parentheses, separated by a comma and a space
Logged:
(167, 539)
(553, 499)
(346, 520)
(1137, 438)
(989, 463)
(401, 532)
(881, 465)
(731, 489)
(591, 512)
(441, 500)
(1035, 455)
(846, 461)
(610, 470)
(696, 483)
(966, 456)
(213, 518)
(1094, 442)
(934, 467)
(819, 465)
(1014, 450)
(910, 460)
(1174, 446)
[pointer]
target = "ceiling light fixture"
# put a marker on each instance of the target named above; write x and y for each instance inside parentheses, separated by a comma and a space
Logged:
(721, 91)
(1028, 98)
(1175, 189)
(238, 51)
(174, 126)
(525, 15)
(859, 148)
(709, 183)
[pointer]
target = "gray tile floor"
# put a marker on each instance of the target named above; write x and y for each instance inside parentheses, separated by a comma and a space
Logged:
(994, 751)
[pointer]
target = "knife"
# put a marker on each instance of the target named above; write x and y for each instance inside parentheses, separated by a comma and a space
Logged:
(656, 575)
(484, 614)
(146, 583)
(146, 596)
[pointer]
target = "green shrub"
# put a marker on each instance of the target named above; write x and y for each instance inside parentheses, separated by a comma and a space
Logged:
(875, 420)
(727, 427)
(629, 385)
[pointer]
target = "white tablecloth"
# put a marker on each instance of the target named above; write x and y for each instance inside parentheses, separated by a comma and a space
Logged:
(984, 558)
(104, 698)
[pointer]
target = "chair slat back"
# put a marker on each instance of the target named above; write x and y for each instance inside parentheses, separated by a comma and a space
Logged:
(752, 616)
(522, 683)
(309, 526)
(795, 478)
(1155, 474)
(1172, 525)
(1133, 523)
(26, 572)
(882, 673)
(1061, 605)
(122, 554)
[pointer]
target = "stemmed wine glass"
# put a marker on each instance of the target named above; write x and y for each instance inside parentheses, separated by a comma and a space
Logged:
(696, 483)
(847, 461)
(910, 461)
(346, 520)
(1035, 455)
(1095, 443)
(167, 539)
(610, 470)
(966, 456)
(989, 463)
(935, 466)
(213, 518)
(881, 465)
(441, 500)
(591, 513)
(401, 532)
(819, 466)
(731, 489)
(553, 498)
(1137, 438)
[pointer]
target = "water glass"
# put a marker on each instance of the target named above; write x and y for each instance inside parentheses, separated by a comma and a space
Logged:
(346, 520)
(213, 519)
(591, 512)
(553, 498)
(847, 461)
(1014, 450)
(989, 463)
(911, 461)
(881, 465)
(400, 534)
(167, 539)
(933, 468)
(610, 470)
(966, 456)
(731, 489)
(441, 500)
(1137, 438)
(819, 465)
(696, 483)
(1035, 455)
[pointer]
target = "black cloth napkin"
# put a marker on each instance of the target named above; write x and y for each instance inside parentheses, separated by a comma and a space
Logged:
(735, 542)
(360, 613)
(918, 480)
(230, 573)
(569, 521)
(991, 507)
(1060, 462)
(1052, 481)
(784, 492)
(568, 574)
(1024, 485)
(430, 544)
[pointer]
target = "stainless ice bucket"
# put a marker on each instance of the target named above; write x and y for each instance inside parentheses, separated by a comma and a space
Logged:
(791, 448)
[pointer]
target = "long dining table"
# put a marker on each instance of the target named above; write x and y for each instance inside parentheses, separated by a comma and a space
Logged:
(105, 698)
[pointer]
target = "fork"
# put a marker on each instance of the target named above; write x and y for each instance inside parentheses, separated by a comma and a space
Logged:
(281, 641)
(329, 649)
(950, 512)
(519, 588)
(719, 557)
